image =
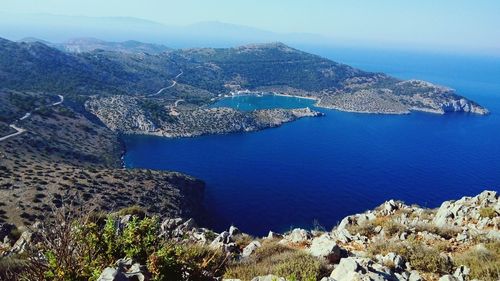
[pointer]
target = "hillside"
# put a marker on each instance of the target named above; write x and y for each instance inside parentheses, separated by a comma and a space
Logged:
(394, 242)
(64, 155)
(209, 73)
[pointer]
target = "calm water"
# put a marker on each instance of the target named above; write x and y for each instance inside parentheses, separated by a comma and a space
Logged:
(250, 102)
(318, 170)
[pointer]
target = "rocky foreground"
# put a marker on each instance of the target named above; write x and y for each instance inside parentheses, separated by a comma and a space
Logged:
(458, 241)
(129, 115)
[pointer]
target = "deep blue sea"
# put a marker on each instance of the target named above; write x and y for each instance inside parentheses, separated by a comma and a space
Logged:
(315, 171)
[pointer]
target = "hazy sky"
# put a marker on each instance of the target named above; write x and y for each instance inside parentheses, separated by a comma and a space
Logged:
(464, 24)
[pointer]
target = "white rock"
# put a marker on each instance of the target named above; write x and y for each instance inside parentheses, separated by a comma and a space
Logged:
(274, 235)
(415, 276)
(325, 247)
(269, 277)
(298, 235)
(233, 230)
(448, 278)
(250, 248)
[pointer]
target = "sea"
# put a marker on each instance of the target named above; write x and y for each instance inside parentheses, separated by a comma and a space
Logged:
(313, 172)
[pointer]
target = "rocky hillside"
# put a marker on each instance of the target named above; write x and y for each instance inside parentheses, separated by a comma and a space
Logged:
(66, 155)
(209, 73)
(458, 241)
(131, 115)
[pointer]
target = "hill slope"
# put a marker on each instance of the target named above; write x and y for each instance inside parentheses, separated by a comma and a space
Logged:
(208, 73)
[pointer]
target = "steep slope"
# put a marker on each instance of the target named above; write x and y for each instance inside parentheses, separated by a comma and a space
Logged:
(64, 156)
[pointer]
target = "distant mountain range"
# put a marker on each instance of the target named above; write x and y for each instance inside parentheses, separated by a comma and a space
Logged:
(57, 28)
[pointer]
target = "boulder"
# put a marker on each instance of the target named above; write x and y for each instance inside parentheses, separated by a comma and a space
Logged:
(184, 228)
(125, 270)
(462, 273)
(325, 247)
(393, 259)
(298, 235)
(355, 268)
(415, 276)
(273, 235)
(168, 225)
(250, 248)
(448, 277)
(345, 222)
(22, 243)
(389, 207)
(233, 230)
(269, 277)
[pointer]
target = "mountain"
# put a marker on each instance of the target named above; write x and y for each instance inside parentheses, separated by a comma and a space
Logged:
(211, 72)
(59, 28)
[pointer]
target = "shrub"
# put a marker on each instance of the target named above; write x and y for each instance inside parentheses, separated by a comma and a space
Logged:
(134, 210)
(274, 258)
(366, 229)
(445, 232)
(483, 263)
(175, 262)
(420, 256)
(139, 238)
(487, 212)
(391, 227)
(10, 267)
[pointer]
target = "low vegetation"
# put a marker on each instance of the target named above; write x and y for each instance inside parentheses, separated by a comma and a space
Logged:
(280, 260)
(483, 261)
(420, 256)
(487, 212)
(80, 248)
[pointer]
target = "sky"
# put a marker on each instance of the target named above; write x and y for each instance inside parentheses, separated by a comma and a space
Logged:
(453, 24)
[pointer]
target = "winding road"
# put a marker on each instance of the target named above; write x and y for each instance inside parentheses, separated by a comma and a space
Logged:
(174, 82)
(177, 102)
(25, 116)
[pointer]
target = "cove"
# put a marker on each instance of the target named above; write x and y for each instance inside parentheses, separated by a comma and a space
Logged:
(314, 171)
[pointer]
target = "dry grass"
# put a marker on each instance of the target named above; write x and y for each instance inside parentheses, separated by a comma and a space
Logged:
(242, 240)
(277, 259)
(367, 228)
(420, 256)
(487, 212)
(484, 263)
(445, 232)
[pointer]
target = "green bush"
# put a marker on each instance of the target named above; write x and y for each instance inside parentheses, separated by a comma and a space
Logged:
(82, 248)
(175, 262)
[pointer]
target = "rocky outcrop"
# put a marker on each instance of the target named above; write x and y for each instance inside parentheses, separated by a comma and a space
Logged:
(325, 247)
(468, 212)
(125, 114)
(400, 98)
